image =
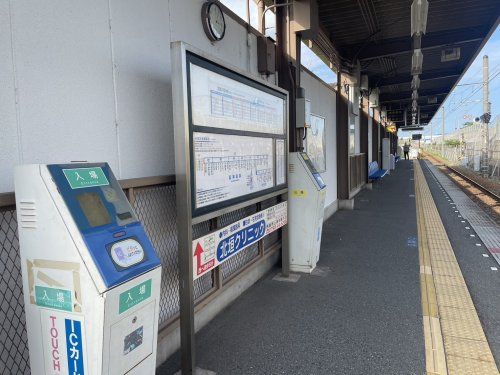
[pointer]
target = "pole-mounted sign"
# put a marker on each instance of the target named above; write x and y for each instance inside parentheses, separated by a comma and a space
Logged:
(231, 147)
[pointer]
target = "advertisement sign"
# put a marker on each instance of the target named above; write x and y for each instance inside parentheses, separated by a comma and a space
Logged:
(215, 248)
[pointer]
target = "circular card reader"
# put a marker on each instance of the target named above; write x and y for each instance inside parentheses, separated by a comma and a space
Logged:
(126, 253)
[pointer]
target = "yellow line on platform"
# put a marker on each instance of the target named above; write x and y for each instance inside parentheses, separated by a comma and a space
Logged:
(454, 338)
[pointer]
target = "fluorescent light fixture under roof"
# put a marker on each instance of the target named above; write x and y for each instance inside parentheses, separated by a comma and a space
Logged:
(415, 82)
(416, 62)
(411, 128)
(450, 54)
(414, 95)
(419, 10)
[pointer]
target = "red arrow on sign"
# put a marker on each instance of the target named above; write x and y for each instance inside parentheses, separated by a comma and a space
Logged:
(200, 268)
(197, 253)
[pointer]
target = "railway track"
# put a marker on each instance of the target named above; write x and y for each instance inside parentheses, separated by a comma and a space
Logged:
(483, 196)
(439, 163)
(473, 182)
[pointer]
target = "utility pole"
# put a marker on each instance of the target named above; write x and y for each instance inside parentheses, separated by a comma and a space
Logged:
(485, 167)
(442, 134)
(262, 20)
(431, 133)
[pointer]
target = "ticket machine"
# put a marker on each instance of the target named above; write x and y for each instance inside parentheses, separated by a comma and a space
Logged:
(306, 203)
(91, 278)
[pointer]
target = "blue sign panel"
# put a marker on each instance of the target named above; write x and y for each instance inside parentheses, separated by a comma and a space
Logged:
(241, 239)
(74, 346)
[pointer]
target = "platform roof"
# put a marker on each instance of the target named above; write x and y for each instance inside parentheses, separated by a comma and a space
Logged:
(377, 32)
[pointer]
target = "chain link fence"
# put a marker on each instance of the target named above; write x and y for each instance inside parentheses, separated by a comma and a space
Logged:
(156, 208)
(465, 146)
(14, 353)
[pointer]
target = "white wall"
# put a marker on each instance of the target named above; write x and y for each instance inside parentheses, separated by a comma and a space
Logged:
(323, 103)
(91, 81)
(370, 139)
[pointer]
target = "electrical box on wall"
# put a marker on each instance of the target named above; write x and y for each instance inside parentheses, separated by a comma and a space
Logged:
(305, 18)
(303, 113)
(266, 55)
(374, 101)
(354, 100)
(364, 83)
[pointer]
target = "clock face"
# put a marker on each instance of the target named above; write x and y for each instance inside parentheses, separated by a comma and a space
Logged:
(216, 21)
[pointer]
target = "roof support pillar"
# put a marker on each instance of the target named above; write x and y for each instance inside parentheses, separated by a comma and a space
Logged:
(363, 128)
(342, 140)
(288, 64)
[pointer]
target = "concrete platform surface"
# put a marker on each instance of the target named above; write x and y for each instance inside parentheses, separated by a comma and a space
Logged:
(359, 314)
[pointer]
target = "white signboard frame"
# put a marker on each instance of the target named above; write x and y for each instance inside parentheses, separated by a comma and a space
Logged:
(316, 142)
(236, 114)
(188, 215)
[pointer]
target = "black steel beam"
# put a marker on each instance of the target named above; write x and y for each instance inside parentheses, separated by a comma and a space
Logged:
(423, 105)
(396, 46)
(430, 75)
(405, 96)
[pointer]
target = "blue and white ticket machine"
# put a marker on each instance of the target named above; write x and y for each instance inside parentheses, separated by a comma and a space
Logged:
(91, 278)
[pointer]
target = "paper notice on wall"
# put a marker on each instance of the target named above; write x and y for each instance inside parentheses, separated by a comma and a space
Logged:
(315, 143)
(221, 102)
(280, 162)
(230, 166)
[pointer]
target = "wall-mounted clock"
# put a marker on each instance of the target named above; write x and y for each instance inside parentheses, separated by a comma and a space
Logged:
(213, 21)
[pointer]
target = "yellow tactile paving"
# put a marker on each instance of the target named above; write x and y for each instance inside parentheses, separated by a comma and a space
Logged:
(469, 366)
(466, 348)
(453, 313)
(449, 280)
(454, 338)
(462, 329)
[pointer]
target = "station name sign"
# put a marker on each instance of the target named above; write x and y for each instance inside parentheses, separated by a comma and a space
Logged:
(215, 248)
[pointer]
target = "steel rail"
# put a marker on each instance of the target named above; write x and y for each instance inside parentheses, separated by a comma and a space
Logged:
(439, 163)
(473, 182)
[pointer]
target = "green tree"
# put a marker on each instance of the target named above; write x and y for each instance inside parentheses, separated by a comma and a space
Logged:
(452, 142)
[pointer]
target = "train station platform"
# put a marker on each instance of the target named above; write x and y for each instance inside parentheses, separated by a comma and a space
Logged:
(388, 296)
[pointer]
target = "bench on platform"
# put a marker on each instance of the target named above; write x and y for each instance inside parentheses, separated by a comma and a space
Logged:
(374, 172)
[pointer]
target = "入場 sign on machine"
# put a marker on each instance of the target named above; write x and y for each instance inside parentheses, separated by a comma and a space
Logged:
(215, 248)
(85, 177)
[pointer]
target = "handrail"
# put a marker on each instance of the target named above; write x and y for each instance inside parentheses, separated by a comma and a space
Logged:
(8, 199)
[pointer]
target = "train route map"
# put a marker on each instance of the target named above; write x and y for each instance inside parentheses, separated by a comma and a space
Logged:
(230, 166)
